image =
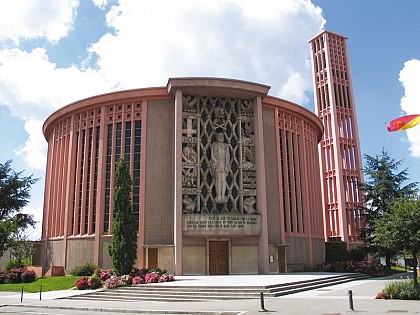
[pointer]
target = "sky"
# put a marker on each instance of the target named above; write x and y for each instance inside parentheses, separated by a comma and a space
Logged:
(53, 53)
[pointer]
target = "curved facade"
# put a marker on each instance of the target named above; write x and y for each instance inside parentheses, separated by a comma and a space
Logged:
(225, 179)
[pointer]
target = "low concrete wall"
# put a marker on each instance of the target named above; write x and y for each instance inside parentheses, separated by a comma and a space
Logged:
(196, 262)
(244, 259)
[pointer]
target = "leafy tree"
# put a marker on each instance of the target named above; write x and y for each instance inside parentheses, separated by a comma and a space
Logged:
(385, 184)
(14, 195)
(123, 246)
(21, 248)
(399, 229)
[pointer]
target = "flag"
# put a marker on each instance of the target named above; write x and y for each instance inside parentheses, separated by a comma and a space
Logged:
(404, 122)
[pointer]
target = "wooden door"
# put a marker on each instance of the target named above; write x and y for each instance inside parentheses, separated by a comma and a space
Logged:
(152, 258)
(218, 258)
(282, 259)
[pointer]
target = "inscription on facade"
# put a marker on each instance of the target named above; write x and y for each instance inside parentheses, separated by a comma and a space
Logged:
(221, 222)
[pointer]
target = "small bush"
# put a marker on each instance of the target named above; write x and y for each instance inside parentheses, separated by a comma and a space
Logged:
(366, 267)
(12, 263)
(19, 275)
(151, 277)
(2, 277)
(84, 270)
(94, 283)
(28, 276)
(113, 282)
(137, 280)
(401, 290)
(82, 283)
(105, 274)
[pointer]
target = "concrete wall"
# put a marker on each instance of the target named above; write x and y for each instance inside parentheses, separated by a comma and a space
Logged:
(79, 252)
(297, 254)
(274, 252)
(271, 176)
(318, 247)
(4, 259)
(195, 260)
(159, 229)
(166, 258)
(244, 259)
(55, 251)
(104, 258)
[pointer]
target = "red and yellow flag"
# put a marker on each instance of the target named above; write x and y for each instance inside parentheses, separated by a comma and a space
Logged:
(404, 122)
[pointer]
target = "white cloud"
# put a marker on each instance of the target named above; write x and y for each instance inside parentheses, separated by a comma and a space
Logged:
(33, 88)
(35, 148)
(34, 233)
(264, 42)
(410, 102)
(26, 19)
(100, 3)
(153, 41)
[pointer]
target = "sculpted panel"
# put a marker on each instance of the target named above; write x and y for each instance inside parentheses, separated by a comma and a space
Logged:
(218, 164)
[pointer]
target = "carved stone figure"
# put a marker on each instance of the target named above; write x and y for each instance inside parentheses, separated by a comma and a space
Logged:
(189, 155)
(220, 163)
(189, 205)
(249, 205)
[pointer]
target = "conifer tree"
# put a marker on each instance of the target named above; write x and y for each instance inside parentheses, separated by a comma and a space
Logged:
(384, 183)
(123, 246)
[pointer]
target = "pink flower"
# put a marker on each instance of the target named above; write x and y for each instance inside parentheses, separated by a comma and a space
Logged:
(138, 280)
(151, 277)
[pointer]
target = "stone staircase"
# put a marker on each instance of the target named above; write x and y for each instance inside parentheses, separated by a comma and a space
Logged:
(173, 293)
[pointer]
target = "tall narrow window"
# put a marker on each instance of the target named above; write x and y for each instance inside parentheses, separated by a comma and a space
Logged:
(136, 169)
(95, 180)
(108, 178)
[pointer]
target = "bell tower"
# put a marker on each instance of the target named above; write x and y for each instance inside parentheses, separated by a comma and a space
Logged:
(339, 150)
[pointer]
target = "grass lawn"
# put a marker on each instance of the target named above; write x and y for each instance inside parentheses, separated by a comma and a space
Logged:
(401, 269)
(48, 284)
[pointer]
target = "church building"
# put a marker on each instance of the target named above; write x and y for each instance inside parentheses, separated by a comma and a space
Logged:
(226, 179)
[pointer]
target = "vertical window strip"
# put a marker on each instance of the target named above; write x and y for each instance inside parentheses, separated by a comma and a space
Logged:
(108, 178)
(295, 188)
(136, 169)
(75, 185)
(127, 142)
(289, 180)
(95, 180)
(118, 141)
(282, 180)
(82, 161)
(89, 166)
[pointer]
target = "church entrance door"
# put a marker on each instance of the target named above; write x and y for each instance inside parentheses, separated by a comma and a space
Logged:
(218, 257)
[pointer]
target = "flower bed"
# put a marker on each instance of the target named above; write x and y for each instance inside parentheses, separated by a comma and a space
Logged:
(18, 275)
(400, 290)
(108, 279)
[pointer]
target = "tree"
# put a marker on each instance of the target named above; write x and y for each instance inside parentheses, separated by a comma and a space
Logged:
(14, 195)
(21, 248)
(123, 246)
(385, 184)
(399, 229)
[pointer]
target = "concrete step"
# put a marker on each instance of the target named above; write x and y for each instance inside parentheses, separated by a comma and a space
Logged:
(177, 292)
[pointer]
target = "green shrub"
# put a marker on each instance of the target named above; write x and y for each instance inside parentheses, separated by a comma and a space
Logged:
(401, 290)
(14, 263)
(84, 270)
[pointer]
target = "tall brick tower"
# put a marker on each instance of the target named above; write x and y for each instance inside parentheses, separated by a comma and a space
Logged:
(339, 150)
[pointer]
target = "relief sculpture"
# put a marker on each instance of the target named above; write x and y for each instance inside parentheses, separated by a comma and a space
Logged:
(218, 156)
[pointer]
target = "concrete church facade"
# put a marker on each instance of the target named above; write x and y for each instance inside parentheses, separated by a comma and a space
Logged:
(225, 178)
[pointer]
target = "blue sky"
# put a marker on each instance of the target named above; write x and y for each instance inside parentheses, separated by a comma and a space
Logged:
(55, 52)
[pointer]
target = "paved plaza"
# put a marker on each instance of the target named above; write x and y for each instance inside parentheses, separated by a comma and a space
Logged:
(331, 300)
